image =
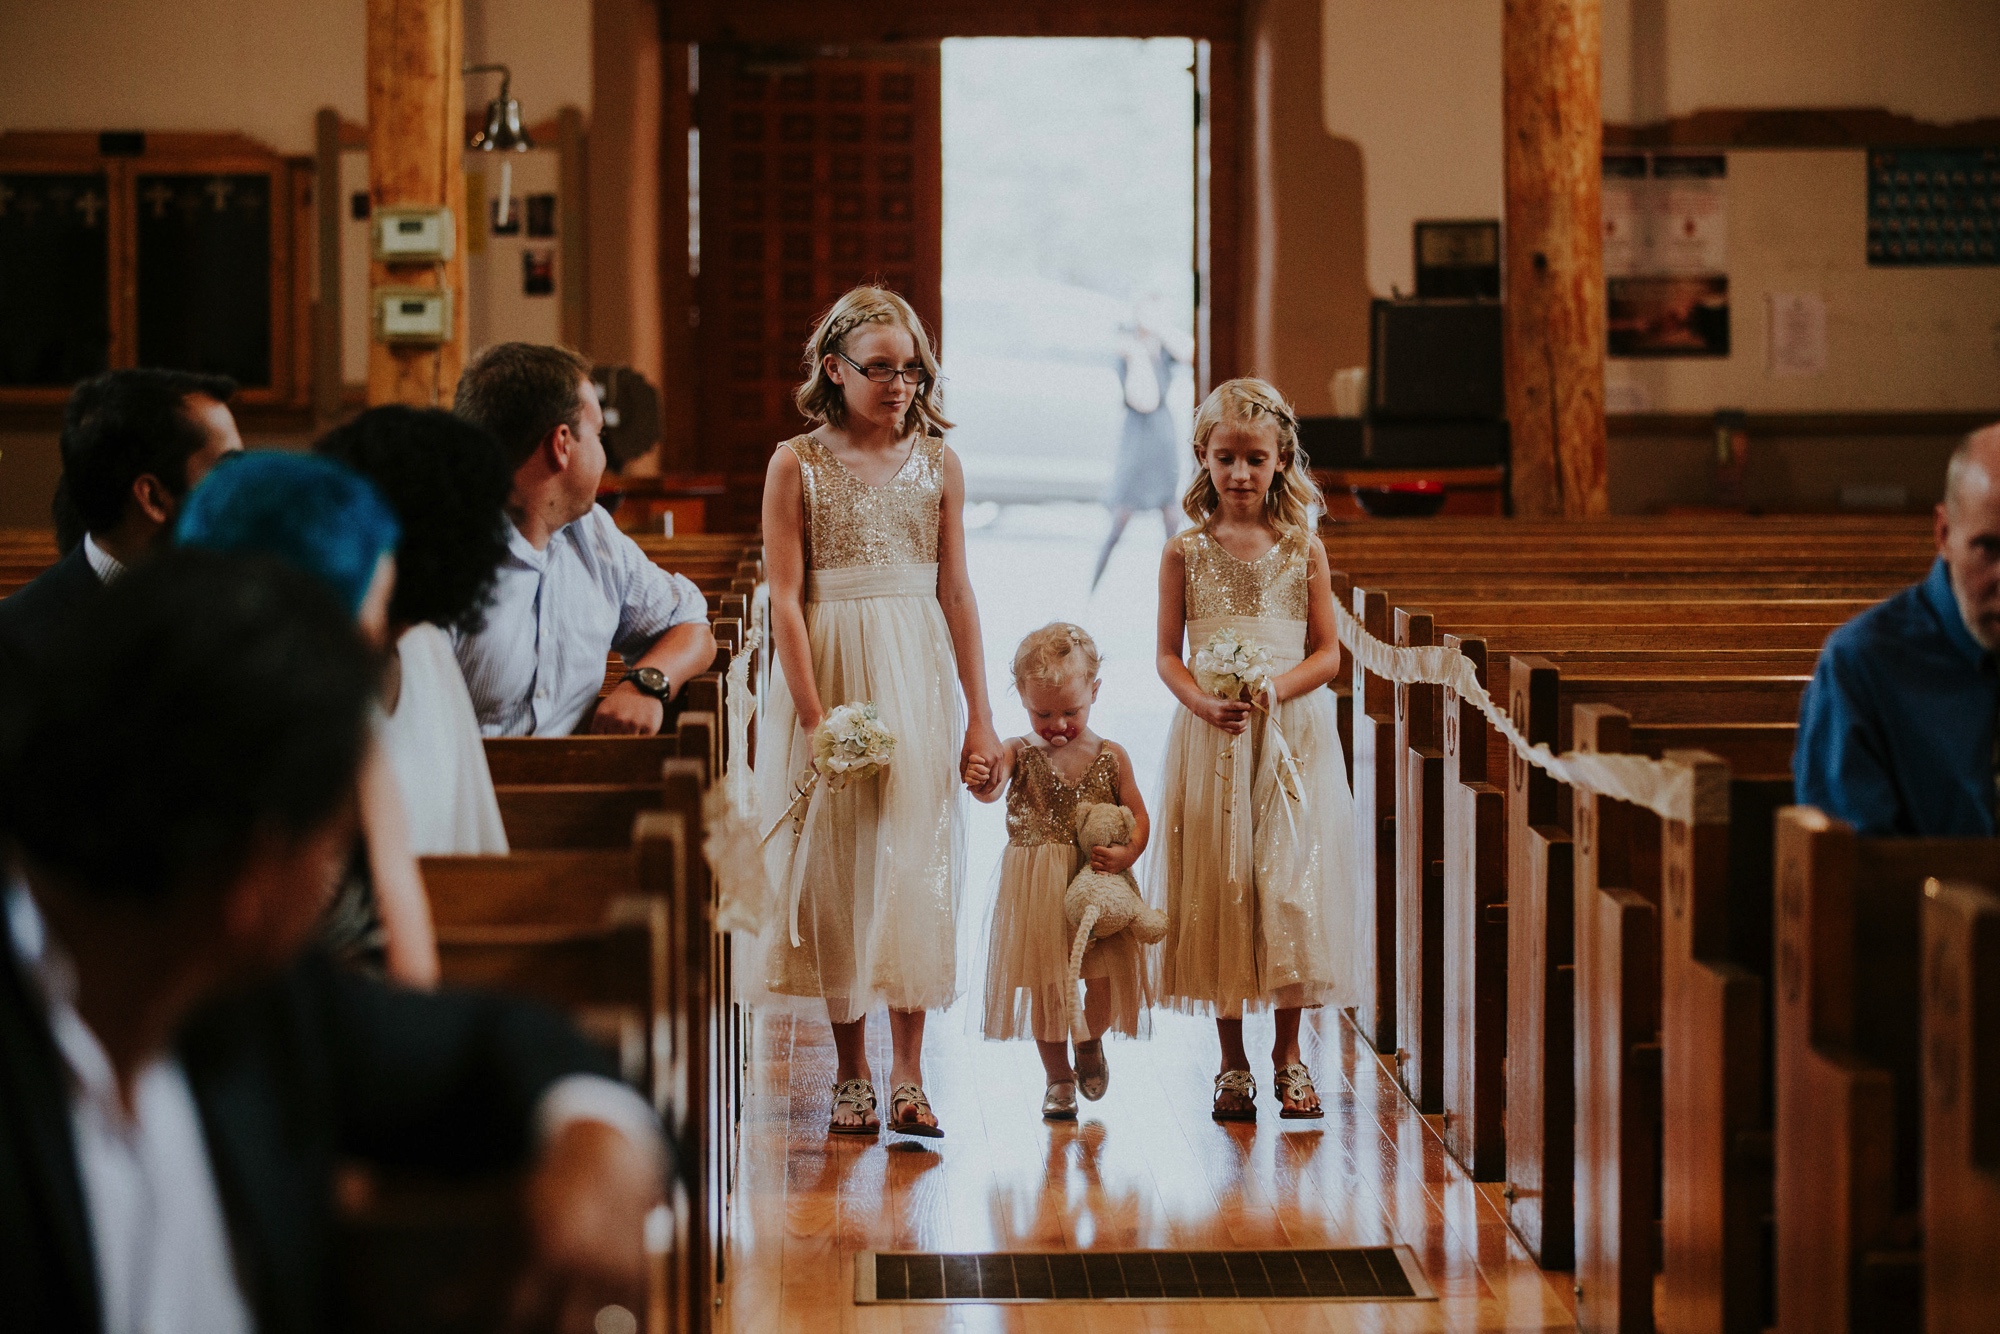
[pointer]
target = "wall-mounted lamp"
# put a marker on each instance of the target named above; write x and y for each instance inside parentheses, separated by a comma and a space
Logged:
(502, 133)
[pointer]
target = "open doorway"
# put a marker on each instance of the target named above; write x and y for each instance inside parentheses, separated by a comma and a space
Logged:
(1069, 210)
(1069, 233)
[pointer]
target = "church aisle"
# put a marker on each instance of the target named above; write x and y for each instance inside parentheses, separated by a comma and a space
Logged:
(1144, 1168)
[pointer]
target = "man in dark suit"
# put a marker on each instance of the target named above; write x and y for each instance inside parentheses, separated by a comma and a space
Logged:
(177, 1081)
(133, 443)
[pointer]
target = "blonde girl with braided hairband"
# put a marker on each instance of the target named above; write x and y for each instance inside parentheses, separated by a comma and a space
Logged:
(1255, 867)
(870, 602)
(1048, 774)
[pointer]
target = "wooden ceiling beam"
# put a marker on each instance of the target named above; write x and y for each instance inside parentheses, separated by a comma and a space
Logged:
(777, 22)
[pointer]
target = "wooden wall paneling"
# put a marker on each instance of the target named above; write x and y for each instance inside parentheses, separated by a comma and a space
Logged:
(681, 365)
(1224, 201)
(326, 298)
(572, 229)
(819, 171)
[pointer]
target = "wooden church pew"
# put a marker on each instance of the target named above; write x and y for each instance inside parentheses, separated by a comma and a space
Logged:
(1849, 1060)
(1961, 1046)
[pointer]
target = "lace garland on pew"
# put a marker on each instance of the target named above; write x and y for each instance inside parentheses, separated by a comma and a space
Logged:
(1661, 786)
(733, 843)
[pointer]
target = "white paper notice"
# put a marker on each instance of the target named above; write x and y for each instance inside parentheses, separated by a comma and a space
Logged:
(1798, 334)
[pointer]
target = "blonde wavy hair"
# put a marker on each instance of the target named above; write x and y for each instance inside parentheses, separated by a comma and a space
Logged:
(822, 400)
(1293, 496)
(1055, 654)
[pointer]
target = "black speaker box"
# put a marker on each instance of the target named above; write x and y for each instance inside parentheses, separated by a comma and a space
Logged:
(1435, 359)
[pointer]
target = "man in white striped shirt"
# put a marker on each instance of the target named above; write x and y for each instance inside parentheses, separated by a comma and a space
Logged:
(572, 588)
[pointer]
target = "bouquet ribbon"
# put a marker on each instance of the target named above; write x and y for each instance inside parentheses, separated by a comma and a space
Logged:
(1239, 773)
(811, 791)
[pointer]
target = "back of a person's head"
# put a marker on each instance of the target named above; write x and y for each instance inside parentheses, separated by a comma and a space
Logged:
(522, 391)
(322, 516)
(123, 425)
(203, 702)
(448, 483)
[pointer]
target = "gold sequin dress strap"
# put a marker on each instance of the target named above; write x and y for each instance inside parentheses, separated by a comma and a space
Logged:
(1041, 807)
(850, 523)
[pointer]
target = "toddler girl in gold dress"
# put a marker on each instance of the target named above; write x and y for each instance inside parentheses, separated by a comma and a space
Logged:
(1063, 765)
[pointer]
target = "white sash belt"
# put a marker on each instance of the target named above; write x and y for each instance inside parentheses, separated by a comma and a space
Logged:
(851, 582)
(1285, 638)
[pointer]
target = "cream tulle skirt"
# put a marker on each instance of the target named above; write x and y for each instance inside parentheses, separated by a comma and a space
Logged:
(877, 903)
(1027, 953)
(1258, 883)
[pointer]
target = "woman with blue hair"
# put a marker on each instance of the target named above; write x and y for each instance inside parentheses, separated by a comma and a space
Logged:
(331, 522)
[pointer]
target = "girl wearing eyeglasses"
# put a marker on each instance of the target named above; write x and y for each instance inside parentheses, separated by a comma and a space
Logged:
(870, 601)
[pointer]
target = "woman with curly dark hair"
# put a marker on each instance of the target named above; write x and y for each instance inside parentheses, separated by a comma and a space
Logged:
(447, 482)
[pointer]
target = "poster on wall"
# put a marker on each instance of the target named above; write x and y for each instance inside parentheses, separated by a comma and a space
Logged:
(1666, 254)
(1933, 207)
(1669, 316)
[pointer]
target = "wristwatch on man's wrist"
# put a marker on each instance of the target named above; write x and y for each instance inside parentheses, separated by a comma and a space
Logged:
(650, 681)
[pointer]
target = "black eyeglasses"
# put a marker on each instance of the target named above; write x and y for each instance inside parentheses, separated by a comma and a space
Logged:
(883, 374)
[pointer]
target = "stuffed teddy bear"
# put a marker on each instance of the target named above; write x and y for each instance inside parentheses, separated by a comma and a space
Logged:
(1098, 904)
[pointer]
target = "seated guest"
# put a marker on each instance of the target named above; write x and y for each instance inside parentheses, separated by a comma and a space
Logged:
(133, 443)
(327, 520)
(180, 1081)
(572, 588)
(448, 484)
(1896, 731)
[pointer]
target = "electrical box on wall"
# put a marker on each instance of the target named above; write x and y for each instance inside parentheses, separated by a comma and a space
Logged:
(413, 235)
(412, 315)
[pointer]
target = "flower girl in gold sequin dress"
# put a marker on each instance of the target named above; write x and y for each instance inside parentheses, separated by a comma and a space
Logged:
(870, 601)
(1063, 765)
(1255, 867)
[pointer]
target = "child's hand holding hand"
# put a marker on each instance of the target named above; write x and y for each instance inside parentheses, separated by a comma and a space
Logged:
(1113, 860)
(977, 773)
(1230, 715)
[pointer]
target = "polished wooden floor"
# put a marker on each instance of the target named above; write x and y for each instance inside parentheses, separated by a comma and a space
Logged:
(1143, 1168)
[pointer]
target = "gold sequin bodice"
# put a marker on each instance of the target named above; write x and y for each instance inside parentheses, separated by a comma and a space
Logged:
(1273, 586)
(1041, 808)
(849, 522)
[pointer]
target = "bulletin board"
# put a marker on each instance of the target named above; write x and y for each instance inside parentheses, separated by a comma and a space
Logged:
(1814, 325)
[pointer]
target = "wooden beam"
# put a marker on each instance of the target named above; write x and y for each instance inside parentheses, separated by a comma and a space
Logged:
(416, 149)
(1555, 261)
(572, 238)
(326, 306)
(768, 21)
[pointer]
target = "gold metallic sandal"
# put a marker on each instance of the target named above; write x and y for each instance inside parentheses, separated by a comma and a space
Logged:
(1243, 1084)
(1059, 1101)
(1294, 1084)
(857, 1096)
(911, 1095)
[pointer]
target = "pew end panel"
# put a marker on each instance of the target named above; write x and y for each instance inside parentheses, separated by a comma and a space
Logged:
(1541, 1108)
(1961, 1002)
(1374, 765)
(1419, 855)
(1475, 933)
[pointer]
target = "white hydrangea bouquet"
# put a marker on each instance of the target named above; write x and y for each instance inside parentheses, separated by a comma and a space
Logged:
(1230, 667)
(851, 744)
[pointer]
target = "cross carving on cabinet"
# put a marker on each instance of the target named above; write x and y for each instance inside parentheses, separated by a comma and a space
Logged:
(218, 191)
(90, 204)
(159, 196)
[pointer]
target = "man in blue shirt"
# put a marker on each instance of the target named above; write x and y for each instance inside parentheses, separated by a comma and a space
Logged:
(1896, 731)
(572, 588)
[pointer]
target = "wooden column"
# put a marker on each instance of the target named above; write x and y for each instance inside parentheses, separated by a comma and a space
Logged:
(416, 148)
(1555, 258)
